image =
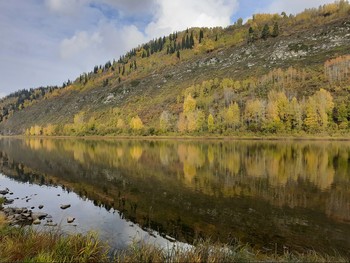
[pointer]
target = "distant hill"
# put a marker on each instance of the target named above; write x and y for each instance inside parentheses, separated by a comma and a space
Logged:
(275, 74)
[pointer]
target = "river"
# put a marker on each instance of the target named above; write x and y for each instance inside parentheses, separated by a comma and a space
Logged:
(274, 195)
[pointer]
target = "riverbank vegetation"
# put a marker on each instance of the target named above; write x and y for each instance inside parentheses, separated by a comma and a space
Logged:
(27, 245)
(226, 107)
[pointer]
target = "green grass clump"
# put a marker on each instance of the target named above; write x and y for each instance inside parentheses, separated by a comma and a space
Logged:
(27, 245)
(205, 251)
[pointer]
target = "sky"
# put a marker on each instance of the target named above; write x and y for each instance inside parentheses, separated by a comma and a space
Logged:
(47, 42)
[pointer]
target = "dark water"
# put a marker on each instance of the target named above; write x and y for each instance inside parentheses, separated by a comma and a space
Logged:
(273, 195)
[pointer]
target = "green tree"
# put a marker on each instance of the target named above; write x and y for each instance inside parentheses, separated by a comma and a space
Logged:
(275, 30)
(265, 33)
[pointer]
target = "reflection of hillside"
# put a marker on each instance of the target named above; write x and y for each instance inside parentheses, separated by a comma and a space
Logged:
(210, 182)
(228, 169)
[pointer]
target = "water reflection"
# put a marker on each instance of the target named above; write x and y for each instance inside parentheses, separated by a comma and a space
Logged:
(289, 193)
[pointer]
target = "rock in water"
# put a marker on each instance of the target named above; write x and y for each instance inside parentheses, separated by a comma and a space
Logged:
(8, 201)
(65, 206)
(40, 206)
(37, 222)
(70, 219)
(38, 216)
(4, 192)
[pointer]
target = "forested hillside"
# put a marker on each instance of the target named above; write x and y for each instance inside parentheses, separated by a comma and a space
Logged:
(275, 74)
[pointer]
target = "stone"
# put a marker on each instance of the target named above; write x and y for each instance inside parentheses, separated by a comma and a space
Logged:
(8, 201)
(4, 192)
(37, 222)
(26, 214)
(65, 206)
(18, 210)
(40, 206)
(38, 215)
(17, 216)
(70, 219)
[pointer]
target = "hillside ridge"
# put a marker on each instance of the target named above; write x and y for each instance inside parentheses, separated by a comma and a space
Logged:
(145, 92)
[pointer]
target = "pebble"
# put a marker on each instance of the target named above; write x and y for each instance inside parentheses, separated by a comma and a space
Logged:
(65, 206)
(70, 219)
(37, 222)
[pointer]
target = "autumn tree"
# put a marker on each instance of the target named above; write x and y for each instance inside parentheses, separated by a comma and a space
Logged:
(49, 130)
(211, 124)
(37, 130)
(276, 111)
(232, 116)
(136, 123)
(120, 124)
(294, 115)
(254, 114)
(165, 121)
(189, 104)
(318, 111)
(311, 120)
(182, 123)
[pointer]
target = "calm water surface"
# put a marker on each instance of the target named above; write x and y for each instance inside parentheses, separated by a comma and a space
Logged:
(274, 195)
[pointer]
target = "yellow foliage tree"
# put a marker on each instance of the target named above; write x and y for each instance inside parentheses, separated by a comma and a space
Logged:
(120, 124)
(37, 130)
(232, 116)
(189, 104)
(136, 123)
(182, 123)
(164, 121)
(49, 130)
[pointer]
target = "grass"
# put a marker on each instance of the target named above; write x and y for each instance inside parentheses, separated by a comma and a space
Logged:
(26, 245)
(205, 251)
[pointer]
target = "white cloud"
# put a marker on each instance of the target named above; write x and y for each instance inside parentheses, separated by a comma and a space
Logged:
(173, 15)
(79, 43)
(295, 6)
(67, 7)
(86, 49)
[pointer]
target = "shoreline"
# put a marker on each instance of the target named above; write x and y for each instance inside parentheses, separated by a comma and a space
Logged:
(188, 137)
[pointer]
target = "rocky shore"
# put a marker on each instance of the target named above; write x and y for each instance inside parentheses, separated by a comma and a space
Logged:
(24, 216)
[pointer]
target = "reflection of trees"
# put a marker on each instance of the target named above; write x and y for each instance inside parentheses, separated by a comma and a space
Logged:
(283, 173)
(192, 158)
(136, 152)
(318, 169)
